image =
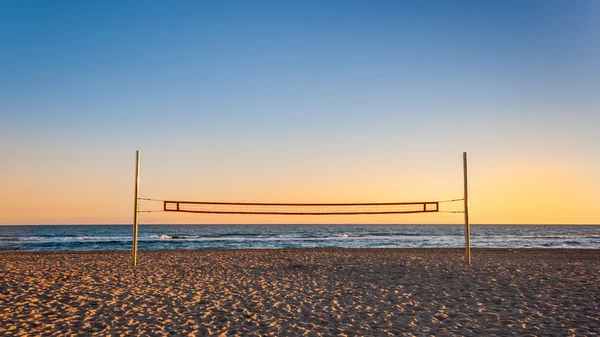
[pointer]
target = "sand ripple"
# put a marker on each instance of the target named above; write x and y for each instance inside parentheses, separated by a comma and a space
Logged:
(315, 292)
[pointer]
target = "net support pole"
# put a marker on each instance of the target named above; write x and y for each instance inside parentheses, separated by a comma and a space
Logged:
(467, 223)
(135, 206)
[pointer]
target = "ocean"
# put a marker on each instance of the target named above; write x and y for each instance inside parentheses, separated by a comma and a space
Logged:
(151, 237)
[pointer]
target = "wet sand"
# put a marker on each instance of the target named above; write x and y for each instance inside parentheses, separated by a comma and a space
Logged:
(312, 292)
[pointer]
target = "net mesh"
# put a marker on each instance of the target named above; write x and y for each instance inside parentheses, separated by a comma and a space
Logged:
(299, 209)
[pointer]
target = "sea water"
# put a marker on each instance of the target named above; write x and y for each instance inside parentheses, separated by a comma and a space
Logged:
(118, 237)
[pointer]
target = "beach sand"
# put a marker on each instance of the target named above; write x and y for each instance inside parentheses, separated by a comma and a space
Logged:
(313, 292)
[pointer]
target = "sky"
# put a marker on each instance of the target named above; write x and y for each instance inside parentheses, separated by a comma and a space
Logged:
(299, 101)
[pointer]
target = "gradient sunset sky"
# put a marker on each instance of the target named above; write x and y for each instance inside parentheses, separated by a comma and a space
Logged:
(299, 101)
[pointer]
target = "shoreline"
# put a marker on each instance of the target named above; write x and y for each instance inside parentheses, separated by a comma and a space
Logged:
(429, 250)
(298, 292)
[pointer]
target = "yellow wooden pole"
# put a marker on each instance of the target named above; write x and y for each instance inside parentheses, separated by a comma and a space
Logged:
(467, 223)
(135, 207)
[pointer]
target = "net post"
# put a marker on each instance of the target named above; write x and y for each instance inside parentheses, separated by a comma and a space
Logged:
(466, 200)
(136, 213)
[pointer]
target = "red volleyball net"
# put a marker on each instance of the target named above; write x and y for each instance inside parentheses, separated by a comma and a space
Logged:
(300, 209)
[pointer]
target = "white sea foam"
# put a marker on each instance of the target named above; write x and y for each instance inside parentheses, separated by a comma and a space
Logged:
(161, 237)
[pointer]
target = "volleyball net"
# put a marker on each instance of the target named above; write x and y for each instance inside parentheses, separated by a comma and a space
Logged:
(300, 209)
(217, 207)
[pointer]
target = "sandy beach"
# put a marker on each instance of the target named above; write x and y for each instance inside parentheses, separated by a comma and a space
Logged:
(313, 292)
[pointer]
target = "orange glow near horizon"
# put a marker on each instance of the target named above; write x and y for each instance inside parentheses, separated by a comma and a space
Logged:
(506, 192)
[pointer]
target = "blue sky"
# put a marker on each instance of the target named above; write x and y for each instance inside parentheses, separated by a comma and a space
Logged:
(266, 77)
(222, 64)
